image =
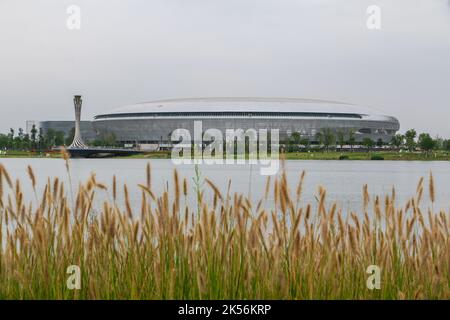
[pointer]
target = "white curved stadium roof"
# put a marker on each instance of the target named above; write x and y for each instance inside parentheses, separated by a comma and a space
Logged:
(248, 105)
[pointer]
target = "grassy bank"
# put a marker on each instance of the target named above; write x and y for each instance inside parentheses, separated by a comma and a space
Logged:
(29, 154)
(313, 155)
(335, 155)
(385, 155)
(226, 247)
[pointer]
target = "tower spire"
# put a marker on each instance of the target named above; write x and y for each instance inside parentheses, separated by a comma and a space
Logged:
(77, 139)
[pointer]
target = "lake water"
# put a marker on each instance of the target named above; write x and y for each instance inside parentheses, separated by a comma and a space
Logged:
(343, 179)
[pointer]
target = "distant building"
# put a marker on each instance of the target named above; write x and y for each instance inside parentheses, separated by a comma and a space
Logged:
(87, 130)
(153, 122)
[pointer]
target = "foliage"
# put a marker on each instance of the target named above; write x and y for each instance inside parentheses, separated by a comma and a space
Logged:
(376, 157)
(351, 140)
(340, 135)
(426, 142)
(380, 143)
(446, 145)
(368, 143)
(410, 137)
(398, 140)
(297, 140)
(105, 140)
(36, 140)
(326, 137)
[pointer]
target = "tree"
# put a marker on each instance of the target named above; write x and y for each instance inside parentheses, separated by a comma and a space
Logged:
(41, 139)
(397, 140)
(305, 142)
(53, 138)
(70, 137)
(351, 138)
(340, 134)
(410, 137)
(380, 143)
(368, 143)
(105, 140)
(294, 141)
(59, 138)
(4, 141)
(426, 142)
(26, 142)
(21, 142)
(50, 138)
(11, 139)
(326, 137)
(33, 137)
(446, 145)
(296, 137)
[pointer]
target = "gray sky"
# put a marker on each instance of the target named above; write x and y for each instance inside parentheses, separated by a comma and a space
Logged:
(140, 50)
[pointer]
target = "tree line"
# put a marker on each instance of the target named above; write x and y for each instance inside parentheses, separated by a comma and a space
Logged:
(37, 139)
(40, 140)
(330, 139)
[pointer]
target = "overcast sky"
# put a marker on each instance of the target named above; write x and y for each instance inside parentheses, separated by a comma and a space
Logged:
(141, 50)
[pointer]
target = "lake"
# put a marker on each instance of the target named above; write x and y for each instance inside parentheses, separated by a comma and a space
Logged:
(343, 179)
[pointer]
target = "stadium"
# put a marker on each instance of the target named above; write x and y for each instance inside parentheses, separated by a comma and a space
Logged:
(153, 122)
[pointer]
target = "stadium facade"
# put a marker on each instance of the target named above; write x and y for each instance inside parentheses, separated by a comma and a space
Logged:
(153, 122)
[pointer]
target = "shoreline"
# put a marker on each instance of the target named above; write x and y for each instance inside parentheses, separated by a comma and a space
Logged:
(299, 156)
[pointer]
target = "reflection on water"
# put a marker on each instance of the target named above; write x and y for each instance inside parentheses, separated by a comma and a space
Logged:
(343, 179)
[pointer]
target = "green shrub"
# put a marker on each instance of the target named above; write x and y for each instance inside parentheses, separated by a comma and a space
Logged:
(343, 157)
(376, 157)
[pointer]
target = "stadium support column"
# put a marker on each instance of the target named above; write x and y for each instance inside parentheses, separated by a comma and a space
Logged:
(77, 139)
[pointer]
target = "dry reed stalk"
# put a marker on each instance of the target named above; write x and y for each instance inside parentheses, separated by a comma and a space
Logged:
(6, 175)
(419, 184)
(32, 177)
(148, 171)
(431, 188)
(185, 187)
(114, 187)
(267, 188)
(214, 188)
(177, 191)
(366, 197)
(147, 191)
(300, 185)
(127, 202)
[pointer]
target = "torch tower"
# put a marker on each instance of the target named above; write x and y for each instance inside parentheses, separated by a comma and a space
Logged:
(77, 139)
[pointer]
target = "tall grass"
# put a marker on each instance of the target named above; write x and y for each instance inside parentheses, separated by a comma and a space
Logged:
(227, 248)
